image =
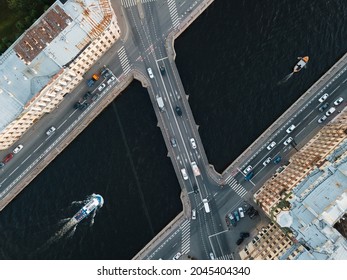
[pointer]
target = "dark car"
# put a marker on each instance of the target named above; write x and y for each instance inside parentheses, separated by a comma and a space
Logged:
(162, 70)
(7, 158)
(250, 210)
(244, 234)
(178, 111)
(237, 215)
(95, 97)
(2, 164)
(77, 105)
(249, 176)
(277, 159)
(254, 214)
(195, 188)
(86, 95)
(239, 241)
(323, 107)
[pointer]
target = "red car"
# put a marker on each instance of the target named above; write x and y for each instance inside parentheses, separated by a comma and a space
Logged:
(7, 158)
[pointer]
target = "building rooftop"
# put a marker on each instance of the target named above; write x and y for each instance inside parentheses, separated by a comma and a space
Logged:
(53, 41)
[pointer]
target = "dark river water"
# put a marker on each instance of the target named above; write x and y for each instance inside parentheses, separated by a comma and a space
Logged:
(231, 61)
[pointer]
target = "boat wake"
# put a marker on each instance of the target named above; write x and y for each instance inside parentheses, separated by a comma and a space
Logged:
(285, 79)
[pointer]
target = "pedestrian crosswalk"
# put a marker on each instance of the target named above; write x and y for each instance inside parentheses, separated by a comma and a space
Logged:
(173, 13)
(124, 61)
(130, 3)
(237, 187)
(226, 257)
(185, 229)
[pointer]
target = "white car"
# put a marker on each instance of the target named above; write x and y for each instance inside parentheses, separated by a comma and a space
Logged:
(192, 142)
(18, 149)
(291, 128)
(110, 80)
(272, 144)
(323, 97)
(330, 111)
(322, 119)
(101, 87)
(150, 73)
(249, 168)
(177, 256)
(290, 139)
(267, 161)
(338, 101)
(193, 214)
(242, 214)
(184, 174)
(50, 131)
(211, 256)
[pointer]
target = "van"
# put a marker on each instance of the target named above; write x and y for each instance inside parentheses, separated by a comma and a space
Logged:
(207, 207)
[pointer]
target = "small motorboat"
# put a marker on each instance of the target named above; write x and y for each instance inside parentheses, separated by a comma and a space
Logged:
(301, 63)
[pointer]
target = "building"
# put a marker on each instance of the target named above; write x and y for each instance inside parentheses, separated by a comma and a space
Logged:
(49, 60)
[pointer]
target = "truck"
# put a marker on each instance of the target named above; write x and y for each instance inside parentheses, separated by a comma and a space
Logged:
(92, 80)
(195, 169)
(160, 103)
(207, 207)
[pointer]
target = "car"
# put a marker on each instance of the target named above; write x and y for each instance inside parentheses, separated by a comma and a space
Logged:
(239, 241)
(248, 168)
(323, 97)
(77, 105)
(242, 214)
(271, 145)
(244, 234)
(50, 131)
(162, 69)
(173, 142)
(2, 165)
(95, 97)
(86, 95)
(232, 219)
(211, 256)
(195, 189)
(177, 256)
(193, 214)
(250, 210)
(237, 215)
(330, 111)
(110, 80)
(184, 174)
(322, 119)
(290, 139)
(267, 161)
(254, 214)
(150, 73)
(338, 101)
(105, 73)
(18, 149)
(192, 143)
(249, 176)
(178, 111)
(7, 158)
(291, 128)
(323, 107)
(101, 87)
(277, 159)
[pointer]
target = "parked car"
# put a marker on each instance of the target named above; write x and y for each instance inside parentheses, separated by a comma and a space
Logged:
(338, 101)
(322, 119)
(330, 111)
(323, 107)
(237, 216)
(86, 95)
(150, 73)
(18, 149)
(250, 210)
(254, 214)
(323, 97)
(277, 159)
(239, 241)
(291, 128)
(192, 143)
(242, 214)
(290, 139)
(177, 256)
(267, 161)
(232, 219)
(101, 87)
(244, 234)
(178, 111)
(271, 145)
(248, 168)
(193, 214)
(7, 158)
(50, 131)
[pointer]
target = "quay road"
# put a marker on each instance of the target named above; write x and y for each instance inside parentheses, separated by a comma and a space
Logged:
(146, 27)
